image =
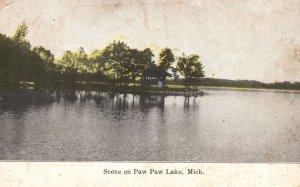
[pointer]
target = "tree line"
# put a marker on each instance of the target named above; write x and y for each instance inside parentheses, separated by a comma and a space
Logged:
(213, 82)
(117, 62)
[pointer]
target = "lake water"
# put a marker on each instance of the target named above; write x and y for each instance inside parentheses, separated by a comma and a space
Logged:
(221, 126)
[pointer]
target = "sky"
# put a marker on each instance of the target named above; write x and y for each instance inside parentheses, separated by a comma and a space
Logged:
(236, 39)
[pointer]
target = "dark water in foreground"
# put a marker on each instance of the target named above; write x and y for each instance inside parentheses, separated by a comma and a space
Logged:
(223, 126)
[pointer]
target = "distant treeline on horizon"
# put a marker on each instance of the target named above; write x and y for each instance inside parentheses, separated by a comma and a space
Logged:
(116, 63)
(215, 82)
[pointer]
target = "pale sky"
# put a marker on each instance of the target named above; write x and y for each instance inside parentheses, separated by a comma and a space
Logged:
(236, 39)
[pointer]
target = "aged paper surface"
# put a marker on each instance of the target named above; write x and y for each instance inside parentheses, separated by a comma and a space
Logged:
(91, 174)
(149, 93)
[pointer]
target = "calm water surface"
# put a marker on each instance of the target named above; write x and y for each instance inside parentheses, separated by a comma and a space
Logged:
(222, 126)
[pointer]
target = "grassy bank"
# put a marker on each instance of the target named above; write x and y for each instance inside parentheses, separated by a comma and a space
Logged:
(105, 87)
(170, 89)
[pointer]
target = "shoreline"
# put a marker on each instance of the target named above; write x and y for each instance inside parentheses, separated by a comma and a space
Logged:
(170, 89)
(152, 90)
(247, 89)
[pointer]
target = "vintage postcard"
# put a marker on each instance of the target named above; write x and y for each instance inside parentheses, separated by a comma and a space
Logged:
(129, 91)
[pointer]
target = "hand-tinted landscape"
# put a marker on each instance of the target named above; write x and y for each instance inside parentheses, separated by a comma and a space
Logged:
(220, 85)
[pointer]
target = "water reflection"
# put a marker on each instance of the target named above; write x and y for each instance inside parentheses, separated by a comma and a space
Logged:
(18, 101)
(190, 102)
(23, 100)
(223, 126)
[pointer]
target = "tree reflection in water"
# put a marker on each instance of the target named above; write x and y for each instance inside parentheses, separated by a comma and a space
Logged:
(23, 100)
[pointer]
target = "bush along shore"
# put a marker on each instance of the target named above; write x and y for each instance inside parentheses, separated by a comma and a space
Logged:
(179, 90)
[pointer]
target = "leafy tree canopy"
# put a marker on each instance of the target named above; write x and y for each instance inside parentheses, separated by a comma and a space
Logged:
(190, 67)
(20, 35)
(166, 58)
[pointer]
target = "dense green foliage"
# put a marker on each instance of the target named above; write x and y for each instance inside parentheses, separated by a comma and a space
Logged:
(76, 66)
(121, 63)
(190, 67)
(117, 62)
(166, 58)
(211, 82)
(18, 62)
(20, 36)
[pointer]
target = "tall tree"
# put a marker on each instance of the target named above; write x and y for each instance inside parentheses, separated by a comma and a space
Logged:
(17, 61)
(97, 62)
(116, 58)
(77, 65)
(190, 67)
(47, 58)
(20, 35)
(166, 58)
(140, 60)
(175, 74)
